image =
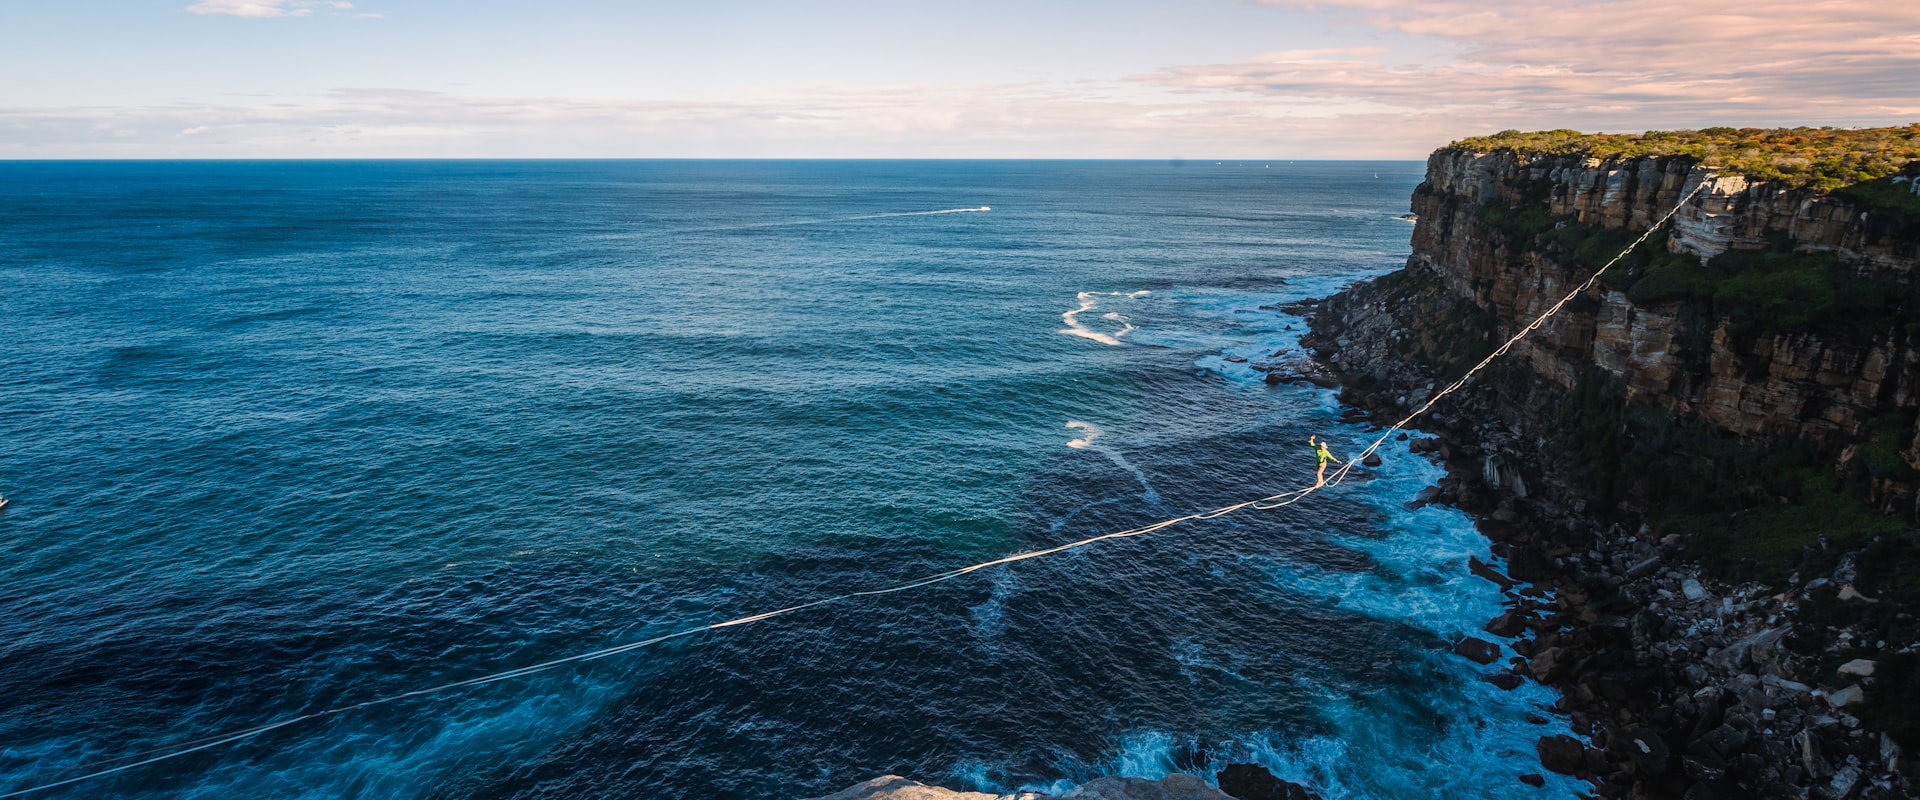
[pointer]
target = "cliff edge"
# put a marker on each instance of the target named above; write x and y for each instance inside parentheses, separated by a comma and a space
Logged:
(1712, 455)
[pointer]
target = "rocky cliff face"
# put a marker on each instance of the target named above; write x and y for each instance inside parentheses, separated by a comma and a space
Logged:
(1478, 274)
(1754, 354)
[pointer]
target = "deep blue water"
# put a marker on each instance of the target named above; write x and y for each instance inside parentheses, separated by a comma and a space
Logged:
(285, 436)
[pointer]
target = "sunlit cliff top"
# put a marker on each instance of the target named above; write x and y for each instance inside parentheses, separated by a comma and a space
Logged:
(1822, 158)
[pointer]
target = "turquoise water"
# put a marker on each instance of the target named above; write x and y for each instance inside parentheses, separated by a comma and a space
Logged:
(286, 436)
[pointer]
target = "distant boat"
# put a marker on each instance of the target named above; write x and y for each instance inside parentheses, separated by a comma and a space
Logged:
(4, 501)
(986, 208)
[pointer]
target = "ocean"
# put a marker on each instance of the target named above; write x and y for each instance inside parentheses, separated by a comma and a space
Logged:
(283, 437)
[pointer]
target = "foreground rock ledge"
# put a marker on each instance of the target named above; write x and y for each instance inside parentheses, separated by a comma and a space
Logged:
(1172, 787)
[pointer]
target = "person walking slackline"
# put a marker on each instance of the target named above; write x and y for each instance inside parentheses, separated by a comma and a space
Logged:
(1320, 452)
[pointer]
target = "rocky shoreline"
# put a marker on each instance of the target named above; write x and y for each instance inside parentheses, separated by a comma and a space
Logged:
(1237, 782)
(1681, 686)
(1739, 398)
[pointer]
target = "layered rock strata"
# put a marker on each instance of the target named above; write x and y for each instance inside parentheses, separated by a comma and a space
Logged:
(1683, 686)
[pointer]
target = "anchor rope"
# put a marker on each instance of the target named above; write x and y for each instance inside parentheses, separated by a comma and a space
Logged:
(1270, 502)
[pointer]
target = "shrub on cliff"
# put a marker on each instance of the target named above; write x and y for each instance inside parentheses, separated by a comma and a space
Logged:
(1822, 158)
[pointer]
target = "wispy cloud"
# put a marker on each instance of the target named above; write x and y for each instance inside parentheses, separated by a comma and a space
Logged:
(810, 121)
(1613, 63)
(268, 8)
(1432, 70)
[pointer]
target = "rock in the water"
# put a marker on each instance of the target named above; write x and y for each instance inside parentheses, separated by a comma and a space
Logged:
(1505, 680)
(894, 787)
(1485, 570)
(1508, 625)
(1479, 651)
(1562, 754)
(1172, 787)
(1254, 782)
(1534, 779)
(1423, 499)
(1548, 664)
(1371, 460)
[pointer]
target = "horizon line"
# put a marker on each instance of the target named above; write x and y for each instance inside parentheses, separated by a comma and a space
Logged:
(1182, 161)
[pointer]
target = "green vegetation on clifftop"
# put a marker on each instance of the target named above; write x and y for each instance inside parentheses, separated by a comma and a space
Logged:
(1822, 158)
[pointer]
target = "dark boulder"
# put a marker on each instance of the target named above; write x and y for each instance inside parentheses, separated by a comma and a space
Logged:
(1485, 570)
(1254, 782)
(1549, 664)
(1534, 779)
(1425, 498)
(1562, 753)
(1727, 740)
(1644, 748)
(1508, 625)
(1479, 651)
(1505, 680)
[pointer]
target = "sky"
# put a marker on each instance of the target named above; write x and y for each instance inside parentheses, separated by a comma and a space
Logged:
(1155, 79)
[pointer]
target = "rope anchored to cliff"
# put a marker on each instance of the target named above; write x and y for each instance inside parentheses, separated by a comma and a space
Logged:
(1283, 499)
(1461, 382)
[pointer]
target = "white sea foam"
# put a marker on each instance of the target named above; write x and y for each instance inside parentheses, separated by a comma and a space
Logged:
(1091, 432)
(990, 616)
(1369, 746)
(1088, 302)
(1085, 442)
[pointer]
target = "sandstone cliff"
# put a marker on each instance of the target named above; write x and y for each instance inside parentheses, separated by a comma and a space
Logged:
(1739, 394)
(1825, 386)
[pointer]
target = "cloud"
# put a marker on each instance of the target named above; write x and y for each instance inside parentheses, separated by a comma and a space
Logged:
(1433, 71)
(268, 8)
(1621, 64)
(803, 121)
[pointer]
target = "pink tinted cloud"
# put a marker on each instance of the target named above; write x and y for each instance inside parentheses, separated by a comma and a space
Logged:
(1617, 63)
(261, 9)
(813, 120)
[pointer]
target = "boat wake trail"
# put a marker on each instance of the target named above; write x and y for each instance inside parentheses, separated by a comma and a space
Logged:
(838, 220)
(1091, 300)
(921, 213)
